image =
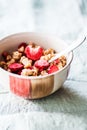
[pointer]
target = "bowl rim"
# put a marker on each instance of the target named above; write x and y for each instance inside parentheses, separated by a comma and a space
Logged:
(37, 77)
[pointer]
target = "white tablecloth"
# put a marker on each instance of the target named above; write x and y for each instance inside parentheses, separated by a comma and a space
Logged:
(67, 108)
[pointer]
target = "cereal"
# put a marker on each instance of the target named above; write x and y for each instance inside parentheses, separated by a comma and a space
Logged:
(16, 55)
(11, 61)
(44, 72)
(29, 72)
(3, 65)
(31, 60)
(47, 57)
(9, 57)
(26, 62)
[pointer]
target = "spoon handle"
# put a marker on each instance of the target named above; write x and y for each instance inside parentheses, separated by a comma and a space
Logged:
(74, 45)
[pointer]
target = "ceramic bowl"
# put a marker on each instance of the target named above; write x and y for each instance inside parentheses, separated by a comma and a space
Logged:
(32, 87)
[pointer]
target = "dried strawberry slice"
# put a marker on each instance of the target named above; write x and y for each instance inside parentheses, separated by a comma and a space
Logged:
(33, 53)
(57, 61)
(24, 44)
(41, 64)
(19, 72)
(52, 69)
(5, 54)
(15, 67)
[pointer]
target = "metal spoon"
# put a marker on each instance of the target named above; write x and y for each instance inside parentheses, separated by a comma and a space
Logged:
(77, 43)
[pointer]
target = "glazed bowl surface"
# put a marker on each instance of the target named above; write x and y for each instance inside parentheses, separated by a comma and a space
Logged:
(34, 87)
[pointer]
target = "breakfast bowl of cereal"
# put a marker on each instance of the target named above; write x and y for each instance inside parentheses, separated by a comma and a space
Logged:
(25, 68)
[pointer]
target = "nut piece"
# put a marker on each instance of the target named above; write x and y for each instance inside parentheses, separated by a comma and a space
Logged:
(26, 62)
(3, 65)
(47, 54)
(16, 55)
(35, 71)
(47, 57)
(60, 66)
(44, 72)
(27, 72)
(30, 72)
(63, 60)
(49, 51)
(8, 57)
(5, 54)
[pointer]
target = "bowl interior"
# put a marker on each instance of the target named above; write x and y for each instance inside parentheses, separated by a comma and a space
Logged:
(46, 41)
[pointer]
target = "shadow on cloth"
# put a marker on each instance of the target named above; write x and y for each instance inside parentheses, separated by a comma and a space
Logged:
(64, 100)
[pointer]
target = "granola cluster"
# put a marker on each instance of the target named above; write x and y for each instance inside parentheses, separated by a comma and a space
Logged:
(31, 60)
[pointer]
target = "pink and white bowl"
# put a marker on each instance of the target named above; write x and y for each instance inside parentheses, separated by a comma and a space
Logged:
(34, 87)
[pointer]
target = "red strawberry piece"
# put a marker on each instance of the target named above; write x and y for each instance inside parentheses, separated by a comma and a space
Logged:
(15, 67)
(33, 53)
(5, 54)
(41, 64)
(52, 69)
(24, 44)
(19, 72)
(56, 61)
